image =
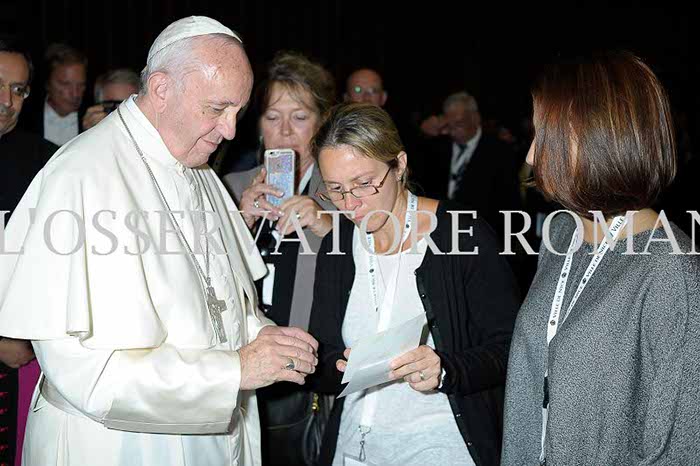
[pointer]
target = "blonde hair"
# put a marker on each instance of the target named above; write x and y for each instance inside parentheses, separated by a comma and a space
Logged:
(364, 127)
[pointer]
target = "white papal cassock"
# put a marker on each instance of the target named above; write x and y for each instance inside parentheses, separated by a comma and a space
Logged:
(133, 372)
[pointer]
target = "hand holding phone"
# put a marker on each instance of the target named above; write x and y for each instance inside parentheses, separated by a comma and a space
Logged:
(280, 167)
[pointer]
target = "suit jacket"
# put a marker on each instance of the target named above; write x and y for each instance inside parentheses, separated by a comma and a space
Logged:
(488, 182)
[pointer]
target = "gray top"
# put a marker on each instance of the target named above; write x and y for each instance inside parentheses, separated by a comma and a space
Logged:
(624, 375)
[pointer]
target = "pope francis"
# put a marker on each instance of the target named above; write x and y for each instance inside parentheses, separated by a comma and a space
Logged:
(130, 269)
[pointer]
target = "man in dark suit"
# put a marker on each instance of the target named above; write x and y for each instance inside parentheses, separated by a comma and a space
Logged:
(459, 161)
(59, 117)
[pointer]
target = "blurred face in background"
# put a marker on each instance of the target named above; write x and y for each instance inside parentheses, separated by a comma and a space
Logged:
(290, 120)
(14, 77)
(461, 123)
(365, 86)
(118, 91)
(66, 87)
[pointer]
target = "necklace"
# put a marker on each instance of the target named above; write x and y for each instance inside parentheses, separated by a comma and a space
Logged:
(215, 306)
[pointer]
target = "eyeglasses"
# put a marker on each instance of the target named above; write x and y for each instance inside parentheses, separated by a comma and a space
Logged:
(18, 90)
(358, 192)
(367, 90)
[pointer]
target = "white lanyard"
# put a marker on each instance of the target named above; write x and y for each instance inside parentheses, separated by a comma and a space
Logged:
(369, 404)
(555, 317)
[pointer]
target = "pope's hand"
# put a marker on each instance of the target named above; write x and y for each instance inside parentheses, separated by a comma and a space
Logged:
(264, 361)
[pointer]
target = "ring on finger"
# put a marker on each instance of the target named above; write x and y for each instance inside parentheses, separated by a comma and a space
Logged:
(290, 365)
(422, 376)
(256, 204)
(298, 215)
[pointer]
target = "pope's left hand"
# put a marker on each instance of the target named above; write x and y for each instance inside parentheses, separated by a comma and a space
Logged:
(305, 209)
(422, 360)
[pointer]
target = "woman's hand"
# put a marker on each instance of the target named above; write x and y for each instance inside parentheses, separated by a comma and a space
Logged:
(253, 203)
(421, 368)
(306, 209)
(341, 364)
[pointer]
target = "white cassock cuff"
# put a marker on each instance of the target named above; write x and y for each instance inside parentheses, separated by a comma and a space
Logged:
(175, 391)
(160, 390)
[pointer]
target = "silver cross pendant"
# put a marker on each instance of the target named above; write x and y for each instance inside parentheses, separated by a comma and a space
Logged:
(216, 307)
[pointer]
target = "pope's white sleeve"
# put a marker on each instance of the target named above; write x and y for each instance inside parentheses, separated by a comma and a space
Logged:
(256, 321)
(161, 390)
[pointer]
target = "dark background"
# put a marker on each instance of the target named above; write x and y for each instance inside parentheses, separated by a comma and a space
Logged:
(424, 51)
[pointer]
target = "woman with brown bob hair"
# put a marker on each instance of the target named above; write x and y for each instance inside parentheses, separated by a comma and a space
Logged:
(603, 365)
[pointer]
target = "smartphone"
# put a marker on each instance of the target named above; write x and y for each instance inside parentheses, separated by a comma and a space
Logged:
(280, 166)
(108, 106)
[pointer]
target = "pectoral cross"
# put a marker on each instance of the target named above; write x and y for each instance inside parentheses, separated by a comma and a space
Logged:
(216, 307)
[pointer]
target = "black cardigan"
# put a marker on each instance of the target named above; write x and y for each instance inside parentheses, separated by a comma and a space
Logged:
(470, 301)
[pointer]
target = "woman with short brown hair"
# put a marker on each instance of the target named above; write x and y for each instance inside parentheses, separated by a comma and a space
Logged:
(604, 371)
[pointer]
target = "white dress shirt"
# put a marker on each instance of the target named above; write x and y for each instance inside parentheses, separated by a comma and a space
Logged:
(459, 159)
(58, 129)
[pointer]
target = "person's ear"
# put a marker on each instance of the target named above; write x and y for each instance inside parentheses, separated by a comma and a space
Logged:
(158, 88)
(402, 158)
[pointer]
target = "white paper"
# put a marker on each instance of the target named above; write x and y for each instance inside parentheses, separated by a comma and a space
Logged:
(369, 360)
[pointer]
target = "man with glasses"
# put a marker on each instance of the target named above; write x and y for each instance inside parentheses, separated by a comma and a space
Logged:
(111, 88)
(23, 155)
(366, 86)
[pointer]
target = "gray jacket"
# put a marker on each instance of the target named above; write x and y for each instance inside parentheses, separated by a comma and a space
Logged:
(624, 377)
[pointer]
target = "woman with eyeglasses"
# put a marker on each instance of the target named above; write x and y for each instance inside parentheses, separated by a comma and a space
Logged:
(443, 405)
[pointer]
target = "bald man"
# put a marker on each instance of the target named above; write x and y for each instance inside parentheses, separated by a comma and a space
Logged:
(365, 85)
